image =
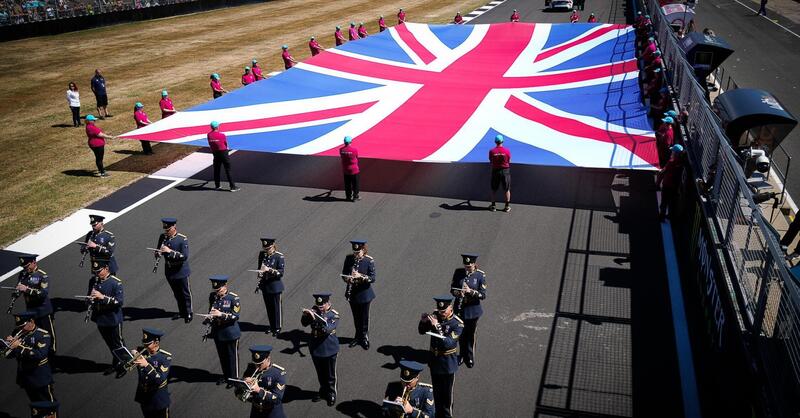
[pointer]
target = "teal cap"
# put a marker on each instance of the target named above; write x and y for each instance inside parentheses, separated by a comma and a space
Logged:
(255, 61)
(348, 139)
(352, 23)
(215, 76)
(139, 104)
(499, 139)
(285, 47)
(668, 119)
(312, 38)
(247, 68)
(214, 124)
(676, 148)
(91, 118)
(164, 93)
(338, 27)
(360, 23)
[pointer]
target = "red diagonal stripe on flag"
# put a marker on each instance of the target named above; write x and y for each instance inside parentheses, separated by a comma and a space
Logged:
(320, 115)
(423, 53)
(642, 146)
(563, 47)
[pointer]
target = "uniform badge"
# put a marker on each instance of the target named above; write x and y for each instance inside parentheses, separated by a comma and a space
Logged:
(257, 356)
(319, 300)
(237, 308)
(164, 369)
(441, 305)
(44, 285)
(34, 411)
(21, 260)
(406, 373)
(95, 264)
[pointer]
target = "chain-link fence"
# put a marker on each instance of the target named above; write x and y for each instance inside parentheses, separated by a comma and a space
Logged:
(764, 291)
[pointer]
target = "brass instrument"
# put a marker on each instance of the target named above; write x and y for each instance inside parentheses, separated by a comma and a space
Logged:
(16, 336)
(14, 296)
(141, 352)
(244, 396)
(429, 318)
(405, 396)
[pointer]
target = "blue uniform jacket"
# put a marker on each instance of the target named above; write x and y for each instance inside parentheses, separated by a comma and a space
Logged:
(107, 312)
(444, 351)
(361, 293)
(271, 282)
(37, 296)
(151, 390)
(33, 367)
(324, 342)
(267, 403)
(226, 327)
(470, 306)
(421, 399)
(177, 262)
(105, 247)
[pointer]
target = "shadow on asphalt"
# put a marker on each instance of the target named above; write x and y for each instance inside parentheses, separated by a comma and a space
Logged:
(68, 305)
(294, 393)
(188, 375)
(360, 408)
(75, 365)
(403, 352)
(131, 313)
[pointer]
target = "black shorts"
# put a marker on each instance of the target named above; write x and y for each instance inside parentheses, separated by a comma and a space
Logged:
(102, 100)
(501, 176)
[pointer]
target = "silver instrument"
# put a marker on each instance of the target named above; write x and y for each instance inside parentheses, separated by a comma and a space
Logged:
(16, 336)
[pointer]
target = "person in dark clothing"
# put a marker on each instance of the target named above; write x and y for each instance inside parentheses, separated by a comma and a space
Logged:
(669, 179)
(218, 143)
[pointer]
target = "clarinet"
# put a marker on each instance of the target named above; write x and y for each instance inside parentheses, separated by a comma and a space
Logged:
(14, 296)
(209, 322)
(90, 302)
(460, 299)
(85, 249)
(158, 256)
(349, 290)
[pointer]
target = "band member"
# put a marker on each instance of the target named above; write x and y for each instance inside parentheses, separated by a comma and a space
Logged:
(272, 264)
(415, 396)
(153, 368)
(33, 284)
(267, 382)
(359, 274)
(469, 288)
(105, 304)
(444, 346)
(223, 310)
(44, 409)
(324, 345)
(175, 249)
(31, 346)
(100, 243)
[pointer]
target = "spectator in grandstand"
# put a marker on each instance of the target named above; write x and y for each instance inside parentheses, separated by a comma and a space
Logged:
(665, 138)
(515, 16)
(248, 77)
(458, 19)
(352, 33)
(500, 161)
(315, 47)
(142, 120)
(591, 18)
(167, 108)
(574, 17)
(256, 70)
(97, 142)
(362, 30)
(401, 17)
(216, 86)
(288, 61)
(338, 35)
(99, 89)
(74, 101)
(381, 24)
(669, 180)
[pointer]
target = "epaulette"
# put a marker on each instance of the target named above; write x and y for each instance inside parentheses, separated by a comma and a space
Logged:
(481, 271)
(368, 256)
(334, 312)
(116, 278)
(44, 331)
(41, 271)
(458, 319)
(278, 367)
(109, 232)
(278, 252)
(233, 294)
(425, 385)
(181, 235)
(165, 352)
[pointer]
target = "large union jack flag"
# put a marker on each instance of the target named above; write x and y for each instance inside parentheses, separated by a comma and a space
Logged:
(561, 94)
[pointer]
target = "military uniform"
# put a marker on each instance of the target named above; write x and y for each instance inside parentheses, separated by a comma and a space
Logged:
(444, 357)
(267, 401)
(225, 329)
(33, 365)
(152, 393)
(176, 268)
(271, 285)
(37, 297)
(324, 347)
(360, 295)
(468, 308)
(105, 244)
(107, 312)
(418, 395)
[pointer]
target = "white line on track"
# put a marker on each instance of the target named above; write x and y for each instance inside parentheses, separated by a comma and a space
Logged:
(768, 19)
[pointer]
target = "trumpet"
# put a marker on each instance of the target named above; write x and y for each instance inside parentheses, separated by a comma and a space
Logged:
(244, 396)
(14, 296)
(141, 352)
(16, 336)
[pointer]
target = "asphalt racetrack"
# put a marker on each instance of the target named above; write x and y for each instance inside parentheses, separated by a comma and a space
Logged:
(577, 318)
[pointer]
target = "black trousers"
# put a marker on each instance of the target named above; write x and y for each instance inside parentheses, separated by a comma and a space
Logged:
(182, 294)
(42, 393)
(228, 352)
(216, 94)
(221, 159)
(164, 413)
(669, 200)
(443, 394)
(46, 323)
(76, 115)
(146, 148)
(360, 319)
(791, 233)
(98, 158)
(351, 186)
(272, 301)
(113, 338)
(466, 344)
(326, 374)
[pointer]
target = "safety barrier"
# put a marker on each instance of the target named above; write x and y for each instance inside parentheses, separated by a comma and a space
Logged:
(766, 297)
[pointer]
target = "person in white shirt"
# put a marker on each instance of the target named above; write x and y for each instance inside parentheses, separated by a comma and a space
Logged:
(74, 101)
